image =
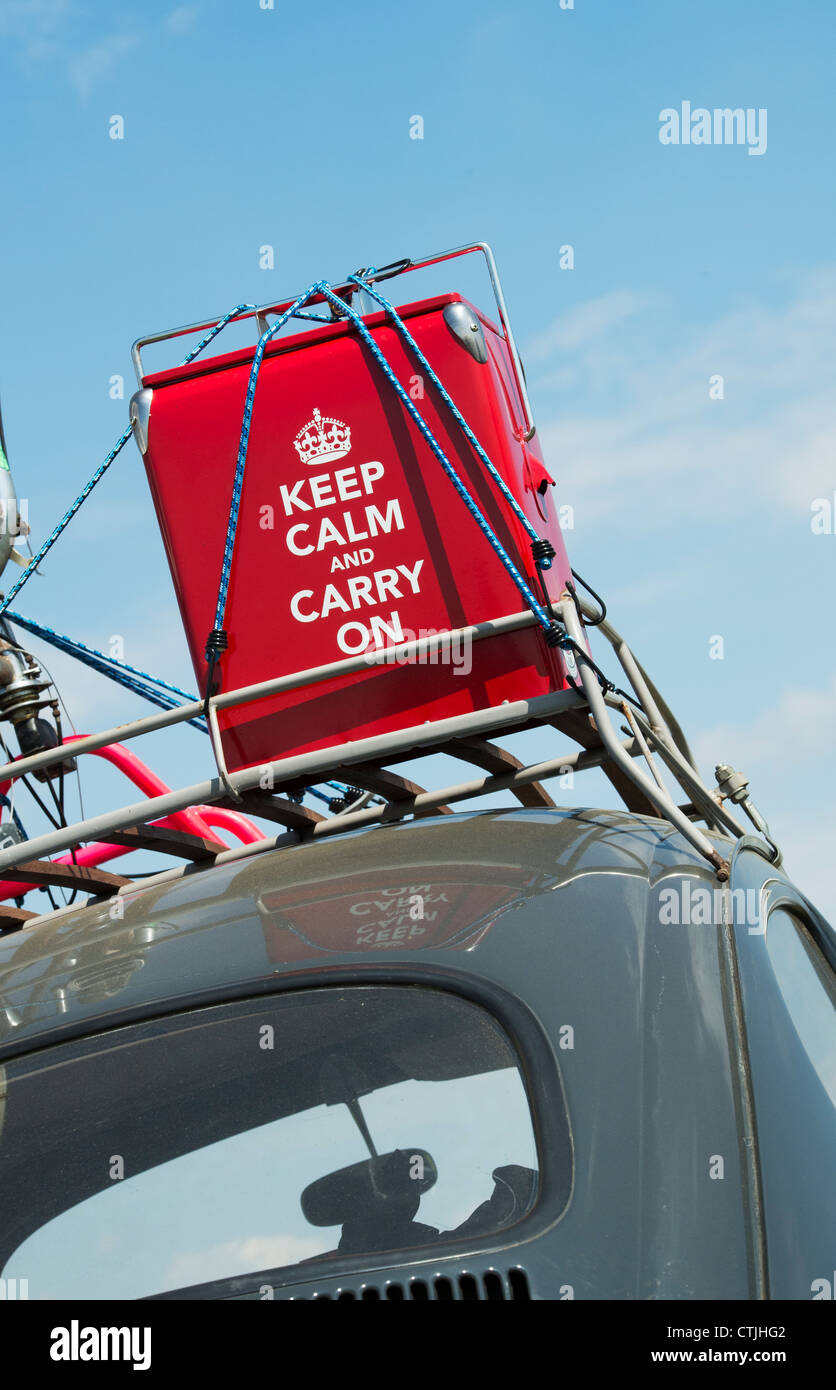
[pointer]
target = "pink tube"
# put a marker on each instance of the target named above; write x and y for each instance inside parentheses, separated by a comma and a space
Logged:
(147, 781)
(241, 826)
(196, 820)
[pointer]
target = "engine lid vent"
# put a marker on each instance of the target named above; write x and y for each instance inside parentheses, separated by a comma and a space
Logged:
(491, 1286)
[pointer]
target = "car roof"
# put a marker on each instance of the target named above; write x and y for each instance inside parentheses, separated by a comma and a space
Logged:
(429, 892)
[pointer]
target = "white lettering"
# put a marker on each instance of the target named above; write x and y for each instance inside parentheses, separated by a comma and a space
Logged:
(392, 629)
(332, 598)
(343, 642)
(360, 587)
(387, 583)
(350, 533)
(291, 499)
(346, 478)
(291, 541)
(294, 607)
(321, 490)
(370, 472)
(329, 534)
(394, 517)
(412, 575)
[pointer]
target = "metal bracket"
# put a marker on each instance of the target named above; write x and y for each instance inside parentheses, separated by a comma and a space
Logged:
(401, 267)
(217, 749)
(654, 792)
(140, 416)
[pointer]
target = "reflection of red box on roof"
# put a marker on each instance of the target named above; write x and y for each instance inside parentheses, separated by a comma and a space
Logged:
(351, 538)
(449, 905)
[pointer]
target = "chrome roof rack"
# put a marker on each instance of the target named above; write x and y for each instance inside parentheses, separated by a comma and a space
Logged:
(649, 735)
(588, 714)
(373, 277)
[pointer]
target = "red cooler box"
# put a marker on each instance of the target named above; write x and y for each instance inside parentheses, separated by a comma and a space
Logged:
(351, 537)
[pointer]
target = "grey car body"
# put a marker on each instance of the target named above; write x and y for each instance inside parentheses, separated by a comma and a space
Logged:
(681, 1095)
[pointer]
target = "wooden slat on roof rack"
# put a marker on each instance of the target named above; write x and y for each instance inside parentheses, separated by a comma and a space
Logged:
(275, 808)
(84, 877)
(373, 777)
(491, 758)
(14, 916)
(158, 837)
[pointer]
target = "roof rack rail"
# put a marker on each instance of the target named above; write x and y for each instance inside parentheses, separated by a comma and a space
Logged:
(585, 714)
(630, 733)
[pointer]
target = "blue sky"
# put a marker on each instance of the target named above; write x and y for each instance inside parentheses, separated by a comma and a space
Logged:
(290, 126)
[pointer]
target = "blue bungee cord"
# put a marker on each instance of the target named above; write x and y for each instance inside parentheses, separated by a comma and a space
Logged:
(217, 640)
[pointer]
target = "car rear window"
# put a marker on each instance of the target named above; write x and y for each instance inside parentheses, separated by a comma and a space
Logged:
(259, 1136)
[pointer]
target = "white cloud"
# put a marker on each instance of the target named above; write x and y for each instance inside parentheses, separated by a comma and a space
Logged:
(787, 751)
(241, 1257)
(681, 584)
(807, 844)
(35, 31)
(181, 20)
(648, 437)
(797, 729)
(583, 323)
(94, 64)
(31, 26)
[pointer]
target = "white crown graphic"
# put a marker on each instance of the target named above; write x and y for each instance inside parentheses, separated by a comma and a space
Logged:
(322, 440)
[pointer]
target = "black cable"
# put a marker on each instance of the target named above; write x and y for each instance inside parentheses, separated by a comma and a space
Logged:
(604, 681)
(28, 785)
(61, 822)
(216, 644)
(43, 887)
(50, 817)
(59, 701)
(590, 622)
(59, 802)
(58, 806)
(16, 818)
